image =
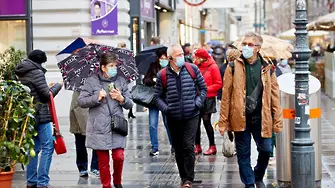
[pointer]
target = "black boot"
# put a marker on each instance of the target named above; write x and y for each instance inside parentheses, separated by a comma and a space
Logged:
(118, 186)
(130, 114)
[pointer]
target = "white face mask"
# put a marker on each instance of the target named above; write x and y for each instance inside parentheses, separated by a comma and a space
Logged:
(44, 65)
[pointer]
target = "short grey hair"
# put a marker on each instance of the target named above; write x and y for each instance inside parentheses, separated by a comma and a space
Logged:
(255, 35)
(169, 51)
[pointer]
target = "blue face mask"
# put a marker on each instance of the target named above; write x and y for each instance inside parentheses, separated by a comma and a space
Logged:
(44, 65)
(284, 62)
(163, 62)
(112, 71)
(180, 61)
(247, 52)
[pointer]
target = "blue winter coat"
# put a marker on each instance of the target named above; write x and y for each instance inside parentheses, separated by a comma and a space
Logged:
(180, 99)
(99, 135)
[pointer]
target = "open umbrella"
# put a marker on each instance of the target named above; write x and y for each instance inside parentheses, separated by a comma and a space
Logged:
(80, 65)
(325, 23)
(144, 66)
(147, 52)
(272, 47)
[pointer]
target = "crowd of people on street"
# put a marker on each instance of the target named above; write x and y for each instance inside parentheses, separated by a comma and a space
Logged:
(188, 81)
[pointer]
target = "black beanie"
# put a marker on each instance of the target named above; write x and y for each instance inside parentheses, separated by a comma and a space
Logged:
(37, 56)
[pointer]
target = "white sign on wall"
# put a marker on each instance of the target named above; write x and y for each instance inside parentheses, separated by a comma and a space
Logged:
(223, 4)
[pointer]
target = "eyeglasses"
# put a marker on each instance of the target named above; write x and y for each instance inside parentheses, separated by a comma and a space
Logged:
(249, 44)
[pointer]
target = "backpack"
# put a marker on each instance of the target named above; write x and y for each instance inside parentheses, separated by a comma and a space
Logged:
(189, 69)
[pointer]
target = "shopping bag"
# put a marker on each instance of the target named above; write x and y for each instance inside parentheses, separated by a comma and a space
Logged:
(228, 146)
(59, 143)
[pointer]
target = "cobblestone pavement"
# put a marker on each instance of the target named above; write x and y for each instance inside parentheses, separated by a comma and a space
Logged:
(141, 170)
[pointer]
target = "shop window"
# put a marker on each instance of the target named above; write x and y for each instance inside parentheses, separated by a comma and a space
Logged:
(13, 33)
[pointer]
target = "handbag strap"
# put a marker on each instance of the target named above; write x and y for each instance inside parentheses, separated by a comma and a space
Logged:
(255, 93)
(109, 109)
(203, 73)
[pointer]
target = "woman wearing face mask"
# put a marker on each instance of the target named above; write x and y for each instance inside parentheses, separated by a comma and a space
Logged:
(211, 73)
(106, 94)
(150, 80)
(284, 66)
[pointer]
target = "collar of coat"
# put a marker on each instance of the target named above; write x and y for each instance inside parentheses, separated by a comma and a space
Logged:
(266, 65)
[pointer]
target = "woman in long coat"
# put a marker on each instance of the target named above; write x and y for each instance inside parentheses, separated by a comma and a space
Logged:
(106, 94)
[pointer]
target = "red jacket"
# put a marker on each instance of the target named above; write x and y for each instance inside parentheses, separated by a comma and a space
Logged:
(211, 73)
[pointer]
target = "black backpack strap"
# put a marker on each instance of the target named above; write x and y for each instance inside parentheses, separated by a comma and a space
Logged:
(232, 65)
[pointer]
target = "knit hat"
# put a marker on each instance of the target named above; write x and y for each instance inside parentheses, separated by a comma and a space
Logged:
(37, 56)
(202, 53)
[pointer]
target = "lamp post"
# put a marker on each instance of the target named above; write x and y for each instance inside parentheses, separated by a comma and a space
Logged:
(303, 161)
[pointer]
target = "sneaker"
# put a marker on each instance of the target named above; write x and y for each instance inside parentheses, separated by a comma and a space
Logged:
(154, 152)
(95, 173)
(83, 173)
(260, 184)
(187, 184)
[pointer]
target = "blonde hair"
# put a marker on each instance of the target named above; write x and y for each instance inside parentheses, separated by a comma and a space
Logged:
(121, 45)
(195, 46)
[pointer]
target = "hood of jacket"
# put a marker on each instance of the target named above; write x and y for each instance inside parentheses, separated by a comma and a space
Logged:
(27, 65)
(207, 63)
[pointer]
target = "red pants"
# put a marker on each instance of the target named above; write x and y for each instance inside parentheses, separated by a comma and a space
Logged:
(104, 168)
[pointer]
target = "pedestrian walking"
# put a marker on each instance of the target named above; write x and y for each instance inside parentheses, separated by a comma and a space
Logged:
(251, 106)
(78, 122)
(232, 54)
(211, 73)
(180, 93)
(150, 81)
(31, 73)
(103, 108)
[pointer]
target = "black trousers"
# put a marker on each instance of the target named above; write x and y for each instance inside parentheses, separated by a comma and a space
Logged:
(209, 129)
(81, 151)
(183, 137)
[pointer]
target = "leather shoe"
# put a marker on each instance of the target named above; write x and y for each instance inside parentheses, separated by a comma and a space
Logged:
(197, 150)
(211, 151)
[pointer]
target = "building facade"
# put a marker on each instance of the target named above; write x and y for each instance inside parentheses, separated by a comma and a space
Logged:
(57, 23)
(15, 25)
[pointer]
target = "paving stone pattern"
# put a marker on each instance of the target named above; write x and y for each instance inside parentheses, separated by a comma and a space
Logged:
(141, 170)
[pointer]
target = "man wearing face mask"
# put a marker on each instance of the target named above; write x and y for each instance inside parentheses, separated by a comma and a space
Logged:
(250, 105)
(180, 93)
(284, 66)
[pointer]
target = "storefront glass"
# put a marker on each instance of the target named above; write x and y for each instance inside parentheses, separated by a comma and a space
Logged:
(13, 33)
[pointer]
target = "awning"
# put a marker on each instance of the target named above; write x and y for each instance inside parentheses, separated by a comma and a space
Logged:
(291, 36)
(324, 23)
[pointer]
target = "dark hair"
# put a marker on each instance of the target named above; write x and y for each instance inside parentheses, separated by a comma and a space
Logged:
(155, 40)
(97, 3)
(108, 58)
(161, 52)
(232, 46)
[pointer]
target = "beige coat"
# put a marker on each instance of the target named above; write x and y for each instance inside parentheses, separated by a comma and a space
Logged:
(78, 116)
(232, 113)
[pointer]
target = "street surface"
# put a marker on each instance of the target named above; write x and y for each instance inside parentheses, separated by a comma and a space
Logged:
(141, 170)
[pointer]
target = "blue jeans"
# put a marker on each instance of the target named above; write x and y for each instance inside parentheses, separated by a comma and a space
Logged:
(43, 141)
(243, 147)
(153, 127)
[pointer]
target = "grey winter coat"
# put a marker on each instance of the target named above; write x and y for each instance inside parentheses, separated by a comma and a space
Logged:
(99, 135)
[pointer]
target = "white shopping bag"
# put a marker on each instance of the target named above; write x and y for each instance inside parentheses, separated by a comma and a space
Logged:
(228, 147)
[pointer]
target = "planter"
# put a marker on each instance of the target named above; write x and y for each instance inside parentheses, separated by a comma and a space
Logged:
(6, 179)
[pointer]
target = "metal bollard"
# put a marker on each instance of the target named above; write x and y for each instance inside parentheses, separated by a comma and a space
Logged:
(283, 142)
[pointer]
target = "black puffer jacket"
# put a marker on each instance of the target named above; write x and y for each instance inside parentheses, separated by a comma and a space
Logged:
(32, 75)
